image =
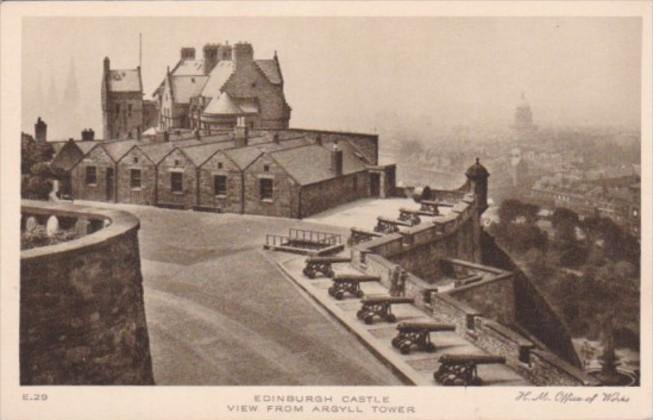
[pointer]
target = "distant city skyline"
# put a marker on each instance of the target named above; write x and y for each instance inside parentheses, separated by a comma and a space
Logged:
(360, 74)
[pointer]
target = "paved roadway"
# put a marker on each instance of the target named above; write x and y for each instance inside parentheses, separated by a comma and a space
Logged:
(220, 313)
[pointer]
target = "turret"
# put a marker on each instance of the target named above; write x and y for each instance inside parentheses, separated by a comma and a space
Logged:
(477, 176)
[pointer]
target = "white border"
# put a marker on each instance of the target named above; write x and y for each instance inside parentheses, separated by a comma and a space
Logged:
(210, 402)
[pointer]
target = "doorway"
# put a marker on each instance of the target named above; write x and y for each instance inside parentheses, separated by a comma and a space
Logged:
(375, 184)
(109, 184)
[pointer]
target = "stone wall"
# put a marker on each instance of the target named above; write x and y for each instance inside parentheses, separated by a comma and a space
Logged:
(481, 310)
(82, 316)
(334, 192)
(146, 193)
(250, 82)
(231, 202)
(176, 161)
(285, 202)
(99, 191)
(532, 311)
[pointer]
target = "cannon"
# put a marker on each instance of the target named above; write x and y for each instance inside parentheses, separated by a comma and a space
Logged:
(433, 206)
(385, 225)
(361, 235)
(380, 306)
(418, 334)
(322, 265)
(460, 369)
(412, 216)
(349, 283)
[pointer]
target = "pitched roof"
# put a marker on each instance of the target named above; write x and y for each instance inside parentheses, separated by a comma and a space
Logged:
(294, 160)
(271, 70)
(243, 156)
(189, 68)
(157, 151)
(128, 80)
(67, 155)
(185, 87)
(217, 78)
(223, 105)
(200, 153)
(117, 149)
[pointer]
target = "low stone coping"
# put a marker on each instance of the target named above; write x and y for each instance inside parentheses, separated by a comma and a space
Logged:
(463, 307)
(476, 266)
(507, 333)
(120, 223)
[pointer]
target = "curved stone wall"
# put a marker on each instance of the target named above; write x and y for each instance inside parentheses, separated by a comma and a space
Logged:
(82, 316)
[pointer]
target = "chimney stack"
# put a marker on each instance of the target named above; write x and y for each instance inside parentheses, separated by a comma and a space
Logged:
(40, 131)
(188, 53)
(240, 132)
(242, 54)
(336, 160)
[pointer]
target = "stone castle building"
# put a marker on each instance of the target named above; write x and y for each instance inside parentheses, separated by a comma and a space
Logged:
(225, 85)
(125, 114)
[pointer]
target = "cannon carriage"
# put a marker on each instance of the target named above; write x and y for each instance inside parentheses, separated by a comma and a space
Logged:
(381, 306)
(412, 216)
(461, 369)
(385, 225)
(349, 283)
(361, 235)
(324, 265)
(418, 334)
(433, 207)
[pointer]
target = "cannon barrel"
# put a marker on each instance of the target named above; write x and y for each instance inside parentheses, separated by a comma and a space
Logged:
(437, 203)
(365, 232)
(328, 259)
(356, 277)
(387, 299)
(479, 359)
(430, 326)
(392, 221)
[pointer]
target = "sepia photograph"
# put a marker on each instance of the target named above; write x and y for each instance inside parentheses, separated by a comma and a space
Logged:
(290, 206)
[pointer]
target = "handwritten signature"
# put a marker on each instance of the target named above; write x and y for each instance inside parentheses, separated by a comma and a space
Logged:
(567, 397)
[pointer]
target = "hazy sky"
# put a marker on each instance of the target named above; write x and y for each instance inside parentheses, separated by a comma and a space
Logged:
(364, 73)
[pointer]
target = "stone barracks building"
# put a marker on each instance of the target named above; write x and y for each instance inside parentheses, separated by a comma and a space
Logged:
(285, 173)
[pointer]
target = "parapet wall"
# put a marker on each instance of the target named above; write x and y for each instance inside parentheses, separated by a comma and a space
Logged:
(481, 310)
(82, 315)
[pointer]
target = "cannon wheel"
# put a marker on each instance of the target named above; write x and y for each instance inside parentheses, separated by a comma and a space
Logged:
(339, 295)
(309, 273)
(359, 314)
(331, 290)
(395, 342)
(369, 319)
(329, 273)
(405, 348)
(360, 294)
(429, 348)
(391, 318)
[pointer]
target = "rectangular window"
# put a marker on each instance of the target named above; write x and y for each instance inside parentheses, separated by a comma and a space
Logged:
(220, 185)
(176, 182)
(117, 108)
(129, 110)
(135, 178)
(355, 182)
(266, 188)
(91, 175)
